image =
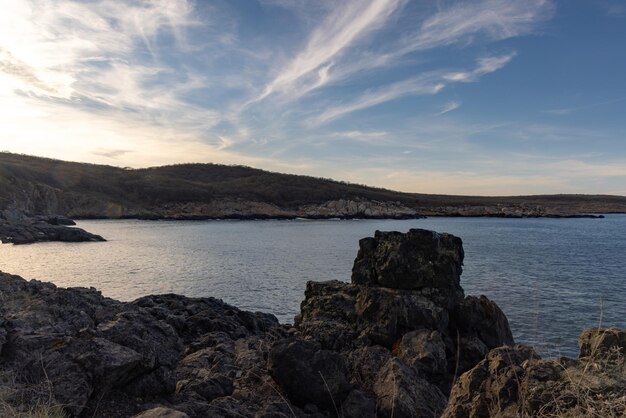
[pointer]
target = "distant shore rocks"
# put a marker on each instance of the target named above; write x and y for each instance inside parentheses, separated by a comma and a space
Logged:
(229, 208)
(400, 340)
(246, 209)
(16, 227)
(345, 208)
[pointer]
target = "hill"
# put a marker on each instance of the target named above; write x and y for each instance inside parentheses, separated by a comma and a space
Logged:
(194, 191)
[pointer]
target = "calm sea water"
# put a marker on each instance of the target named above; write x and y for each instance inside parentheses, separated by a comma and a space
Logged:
(552, 277)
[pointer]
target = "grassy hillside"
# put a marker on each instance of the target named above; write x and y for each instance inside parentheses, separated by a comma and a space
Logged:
(46, 185)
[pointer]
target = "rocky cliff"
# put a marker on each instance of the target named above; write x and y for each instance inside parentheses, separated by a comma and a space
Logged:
(398, 341)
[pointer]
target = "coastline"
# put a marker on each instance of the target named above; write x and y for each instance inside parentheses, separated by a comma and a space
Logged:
(385, 342)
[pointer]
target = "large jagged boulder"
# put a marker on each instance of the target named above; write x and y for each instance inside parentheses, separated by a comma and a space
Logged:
(414, 260)
(406, 297)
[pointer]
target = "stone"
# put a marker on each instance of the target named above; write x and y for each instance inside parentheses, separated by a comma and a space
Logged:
(111, 364)
(602, 343)
(394, 342)
(161, 412)
(384, 315)
(492, 383)
(328, 314)
(425, 351)
(402, 393)
(358, 405)
(414, 260)
(484, 318)
(17, 227)
(309, 374)
(365, 363)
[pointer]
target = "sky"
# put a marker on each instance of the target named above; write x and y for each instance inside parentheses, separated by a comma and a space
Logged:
(493, 97)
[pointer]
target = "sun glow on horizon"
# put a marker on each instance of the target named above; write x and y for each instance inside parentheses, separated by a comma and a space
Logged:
(384, 93)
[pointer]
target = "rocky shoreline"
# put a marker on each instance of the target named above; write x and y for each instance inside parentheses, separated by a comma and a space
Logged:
(16, 227)
(400, 340)
(335, 209)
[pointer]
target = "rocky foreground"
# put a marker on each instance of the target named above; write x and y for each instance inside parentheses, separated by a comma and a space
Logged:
(400, 340)
(17, 227)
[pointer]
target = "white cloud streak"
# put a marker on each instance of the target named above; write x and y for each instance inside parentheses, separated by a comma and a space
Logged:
(448, 107)
(331, 56)
(567, 110)
(343, 27)
(430, 83)
(72, 68)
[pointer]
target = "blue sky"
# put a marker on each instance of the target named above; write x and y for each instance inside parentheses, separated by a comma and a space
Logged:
(495, 97)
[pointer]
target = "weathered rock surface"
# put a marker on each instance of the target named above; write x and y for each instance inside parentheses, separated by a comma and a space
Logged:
(249, 209)
(19, 228)
(392, 344)
(514, 381)
(406, 297)
(359, 208)
(100, 356)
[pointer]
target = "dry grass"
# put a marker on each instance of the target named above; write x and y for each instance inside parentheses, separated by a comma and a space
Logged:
(595, 387)
(19, 400)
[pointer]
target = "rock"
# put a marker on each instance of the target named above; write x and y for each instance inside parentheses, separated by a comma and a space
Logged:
(161, 412)
(602, 343)
(83, 344)
(394, 342)
(357, 208)
(481, 326)
(358, 405)
(490, 384)
(3, 335)
(384, 315)
(111, 364)
(484, 318)
(425, 351)
(414, 260)
(423, 317)
(309, 374)
(401, 392)
(207, 372)
(513, 381)
(194, 317)
(328, 314)
(18, 228)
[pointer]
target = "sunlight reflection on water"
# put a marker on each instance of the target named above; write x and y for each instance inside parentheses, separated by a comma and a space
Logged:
(548, 275)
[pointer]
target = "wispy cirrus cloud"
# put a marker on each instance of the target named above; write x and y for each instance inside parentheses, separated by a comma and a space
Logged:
(345, 25)
(448, 107)
(333, 54)
(428, 83)
(102, 60)
(567, 110)
(147, 82)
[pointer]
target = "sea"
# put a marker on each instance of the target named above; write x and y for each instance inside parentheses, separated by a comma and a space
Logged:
(551, 277)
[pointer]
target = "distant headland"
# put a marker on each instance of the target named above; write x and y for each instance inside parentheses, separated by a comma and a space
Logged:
(42, 186)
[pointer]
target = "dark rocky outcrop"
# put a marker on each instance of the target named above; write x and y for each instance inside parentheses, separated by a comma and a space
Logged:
(17, 227)
(514, 381)
(392, 344)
